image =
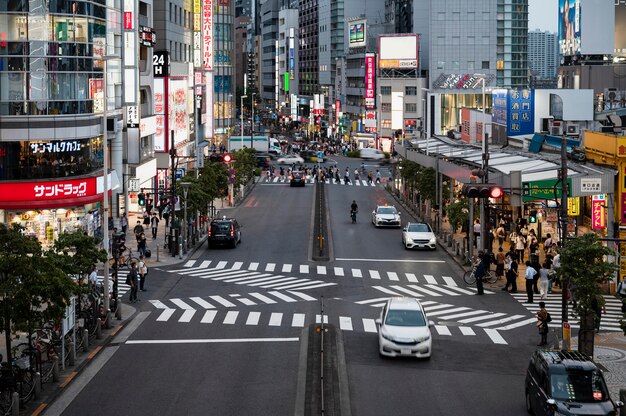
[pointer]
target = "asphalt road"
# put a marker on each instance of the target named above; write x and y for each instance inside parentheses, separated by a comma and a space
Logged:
(220, 334)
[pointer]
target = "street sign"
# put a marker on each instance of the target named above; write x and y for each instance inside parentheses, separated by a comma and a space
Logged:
(180, 173)
(133, 184)
(231, 179)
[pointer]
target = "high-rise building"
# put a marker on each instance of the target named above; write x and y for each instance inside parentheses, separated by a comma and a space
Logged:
(308, 64)
(543, 55)
(269, 36)
(512, 46)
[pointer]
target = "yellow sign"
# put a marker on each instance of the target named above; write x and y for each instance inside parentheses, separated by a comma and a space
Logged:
(573, 206)
(567, 336)
(622, 266)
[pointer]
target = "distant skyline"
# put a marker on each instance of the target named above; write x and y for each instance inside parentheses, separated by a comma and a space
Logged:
(543, 15)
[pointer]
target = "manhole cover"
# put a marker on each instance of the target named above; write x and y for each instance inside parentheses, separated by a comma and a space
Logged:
(608, 354)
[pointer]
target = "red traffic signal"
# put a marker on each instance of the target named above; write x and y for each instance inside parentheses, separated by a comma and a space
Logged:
(482, 190)
(227, 158)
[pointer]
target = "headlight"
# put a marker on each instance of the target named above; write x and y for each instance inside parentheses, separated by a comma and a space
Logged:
(386, 336)
(422, 339)
(433, 240)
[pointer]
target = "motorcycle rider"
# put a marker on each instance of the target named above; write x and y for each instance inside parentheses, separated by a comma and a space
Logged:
(354, 208)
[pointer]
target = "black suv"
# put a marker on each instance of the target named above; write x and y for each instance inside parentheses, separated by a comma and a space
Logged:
(297, 178)
(224, 231)
(566, 383)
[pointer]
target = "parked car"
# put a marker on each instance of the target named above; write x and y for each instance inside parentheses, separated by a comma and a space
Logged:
(386, 216)
(289, 160)
(566, 383)
(224, 231)
(297, 178)
(404, 329)
(370, 153)
(418, 235)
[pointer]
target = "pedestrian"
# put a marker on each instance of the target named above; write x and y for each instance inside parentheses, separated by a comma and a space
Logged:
(533, 243)
(598, 306)
(154, 223)
(481, 267)
(146, 217)
(530, 274)
(141, 244)
(166, 215)
(621, 292)
(124, 223)
(476, 231)
(93, 277)
(520, 246)
(543, 318)
(346, 176)
(500, 262)
(511, 273)
(378, 176)
(556, 264)
(138, 230)
(132, 280)
(548, 243)
(369, 178)
(500, 233)
(142, 270)
(544, 282)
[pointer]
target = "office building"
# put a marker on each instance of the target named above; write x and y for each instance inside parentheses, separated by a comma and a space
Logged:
(543, 56)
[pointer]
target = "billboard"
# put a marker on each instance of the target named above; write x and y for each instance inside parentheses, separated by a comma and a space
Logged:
(159, 111)
(398, 51)
(356, 30)
(620, 27)
(514, 109)
(370, 80)
(177, 110)
(587, 27)
(569, 27)
(207, 34)
(397, 110)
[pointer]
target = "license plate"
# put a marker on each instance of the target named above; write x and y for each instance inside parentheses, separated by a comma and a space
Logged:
(405, 351)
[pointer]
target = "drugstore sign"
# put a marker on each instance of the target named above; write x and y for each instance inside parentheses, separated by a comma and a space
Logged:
(49, 194)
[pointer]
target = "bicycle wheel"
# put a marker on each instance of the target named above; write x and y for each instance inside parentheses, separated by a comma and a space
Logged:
(26, 385)
(131, 260)
(492, 277)
(469, 277)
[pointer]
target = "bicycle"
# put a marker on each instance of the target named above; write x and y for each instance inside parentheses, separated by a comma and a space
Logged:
(470, 278)
(125, 259)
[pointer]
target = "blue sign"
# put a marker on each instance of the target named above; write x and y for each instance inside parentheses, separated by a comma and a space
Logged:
(320, 155)
(180, 173)
(514, 109)
(499, 108)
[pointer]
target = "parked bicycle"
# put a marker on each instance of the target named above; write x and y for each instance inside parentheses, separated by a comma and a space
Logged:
(125, 259)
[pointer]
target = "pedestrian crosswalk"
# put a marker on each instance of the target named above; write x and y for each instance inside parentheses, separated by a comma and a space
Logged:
(122, 287)
(609, 321)
(233, 300)
(300, 320)
(251, 273)
(352, 182)
(418, 291)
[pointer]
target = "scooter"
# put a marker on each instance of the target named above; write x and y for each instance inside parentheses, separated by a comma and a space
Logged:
(353, 216)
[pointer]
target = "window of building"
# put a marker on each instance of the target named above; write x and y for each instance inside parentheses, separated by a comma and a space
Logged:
(410, 107)
(386, 124)
(410, 90)
(385, 107)
(385, 90)
(171, 12)
(441, 64)
(485, 65)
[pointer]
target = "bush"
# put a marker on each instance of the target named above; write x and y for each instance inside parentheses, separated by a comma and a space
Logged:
(354, 153)
(387, 155)
(257, 172)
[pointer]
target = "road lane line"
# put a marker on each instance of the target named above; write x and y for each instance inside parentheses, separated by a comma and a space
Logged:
(391, 260)
(466, 330)
(222, 301)
(442, 330)
(231, 317)
(202, 302)
(495, 336)
(253, 318)
(206, 341)
(298, 320)
(275, 319)
(166, 315)
(208, 317)
(345, 323)
(187, 315)
(369, 325)
(262, 298)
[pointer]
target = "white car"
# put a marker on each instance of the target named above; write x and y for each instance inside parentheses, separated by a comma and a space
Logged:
(386, 216)
(370, 153)
(404, 329)
(418, 235)
(289, 160)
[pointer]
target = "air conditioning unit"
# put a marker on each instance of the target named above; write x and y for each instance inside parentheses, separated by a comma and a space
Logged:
(572, 130)
(612, 95)
(556, 128)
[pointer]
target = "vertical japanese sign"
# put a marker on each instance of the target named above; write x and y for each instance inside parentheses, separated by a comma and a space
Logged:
(130, 53)
(292, 59)
(370, 80)
(159, 111)
(598, 219)
(178, 111)
(129, 14)
(521, 118)
(197, 33)
(207, 34)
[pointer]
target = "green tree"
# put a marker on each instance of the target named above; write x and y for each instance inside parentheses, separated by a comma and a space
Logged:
(244, 163)
(33, 288)
(76, 253)
(212, 183)
(584, 266)
(458, 213)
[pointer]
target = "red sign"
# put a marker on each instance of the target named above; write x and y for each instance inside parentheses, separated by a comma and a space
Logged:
(128, 20)
(49, 194)
(370, 80)
(598, 219)
(207, 34)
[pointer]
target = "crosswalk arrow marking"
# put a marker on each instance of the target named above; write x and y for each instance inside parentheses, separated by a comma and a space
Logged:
(158, 304)
(208, 317)
(202, 302)
(187, 315)
(166, 315)
(180, 303)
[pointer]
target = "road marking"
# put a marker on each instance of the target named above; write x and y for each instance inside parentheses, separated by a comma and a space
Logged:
(391, 260)
(158, 304)
(356, 273)
(321, 269)
(208, 317)
(369, 325)
(495, 336)
(202, 302)
(246, 276)
(460, 315)
(253, 318)
(424, 290)
(482, 318)
(265, 277)
(286, 268)
(304, 296)
(437, 313)
(180, 303)
(166, 315)
(411, 277)
(187, 315)
(434, 307)
(237, 265)
(275, 281)
(221, 265)
(262, 298)
(209, 341)
(443, 289)
(393, 276)
(304, 268)
(222, 301)
(385, 290)
(501, 321)
(305, 285)
(318, 319)
(345, 323)
(253, 266)
(370, 301)
(518, 324)
(205, 264)
(449, 281)
(374, 274)
(357, 183)
(190, 263)
(430, 279)
(442, 330)
(339, 271)
(246, 301)
(466, 330)
(275, 319)
(231, 317)
(298, 320)
(269, 267)
(406, 291)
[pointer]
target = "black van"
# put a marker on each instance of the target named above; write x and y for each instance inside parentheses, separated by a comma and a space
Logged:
(566, 383)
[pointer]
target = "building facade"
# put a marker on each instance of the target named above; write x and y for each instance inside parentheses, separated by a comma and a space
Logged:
(543, 55)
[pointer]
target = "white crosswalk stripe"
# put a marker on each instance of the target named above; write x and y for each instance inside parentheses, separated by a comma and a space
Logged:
(298, 320)
(180, 303)
(223, 301)
(231, 317)
(338, 271)
(203, 303)
(466, 330)
(430, 279)
(221, 265)
(321, 270)
(166, 315)
(253, 266)
(357, 273)
(360, 182)
(270, 267)
(411, 277)
(374, 274)
(304, 268)
(276, 319)
(262, 298)
(187, 315)
(286, 268)
(369, 325)
(253, 318)
(158, 304)
(208, 317)
(345, 323)
(237, 265)
(393, 276)
(245, 301)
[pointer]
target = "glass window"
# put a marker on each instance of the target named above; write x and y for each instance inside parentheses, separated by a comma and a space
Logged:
(385, 107)
(410, 107)
(578, 386)
(410, 90)
(404, 317)
(385, 90)
(485, 65)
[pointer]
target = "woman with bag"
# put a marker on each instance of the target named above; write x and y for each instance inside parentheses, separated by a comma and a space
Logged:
(543, 318)
(143, 272)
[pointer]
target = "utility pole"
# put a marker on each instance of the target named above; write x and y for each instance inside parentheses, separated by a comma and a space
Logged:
(484, 202)
(252, 121)
(564, 221)
(173, 241)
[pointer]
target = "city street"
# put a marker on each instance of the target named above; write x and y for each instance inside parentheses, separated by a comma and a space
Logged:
(220, 332)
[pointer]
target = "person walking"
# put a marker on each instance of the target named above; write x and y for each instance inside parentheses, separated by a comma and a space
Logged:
(378, 176)
(520, 246)
(544, 280)
(481, 270)
(500, 233)
(133, 281)
(500, 257)
(621, 292)
(138, 230)
(511, 273)
(530, 274)
(141, 244)
(93, 278)
(142, 270)
(476, 232)
(124, 223)
(543, 318)
(154, 223)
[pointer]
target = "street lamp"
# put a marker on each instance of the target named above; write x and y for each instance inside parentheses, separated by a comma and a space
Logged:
(424, 121)
(485, 168)
(252, 122)
(185, 186)
(241, 113)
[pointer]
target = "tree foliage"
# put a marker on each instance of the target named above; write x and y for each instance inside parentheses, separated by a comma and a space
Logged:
(244, 163)
(76, 253)
(212, 183)
(422, 179)
(458, 213)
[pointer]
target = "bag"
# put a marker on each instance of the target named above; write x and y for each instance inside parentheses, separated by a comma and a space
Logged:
(621, 288)
(548, 318)
(147, 253)
(128, 280)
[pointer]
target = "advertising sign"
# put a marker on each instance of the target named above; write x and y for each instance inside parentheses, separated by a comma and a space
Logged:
(569, 27)
(292, 59)
(208, 129)
(132, 116)
(129, 13)
(590, 185)
(96, 93)
(598, 219)
(462, 81)
(178, 118)
(545, 189)
(521, 114)
(207, 34)
(370, 120)
(159, 111)
(397, 110)
(500, 106)
(398, 51)
(370, 80)
(161, 64)
(356, 31)
(620, 27)
(573, 207)
(48, 191)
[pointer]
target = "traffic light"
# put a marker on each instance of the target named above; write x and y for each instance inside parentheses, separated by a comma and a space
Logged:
(227, 158)
(149, 205)
(482, 190)
(532, 217)
(141, 199)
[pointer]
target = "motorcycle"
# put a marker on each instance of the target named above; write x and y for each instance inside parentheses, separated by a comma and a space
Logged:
(353, 216)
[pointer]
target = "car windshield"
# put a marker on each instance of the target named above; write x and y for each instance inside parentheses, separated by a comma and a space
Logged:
(405, 317)
(579, 386)
(387, 210)
(418, 228)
